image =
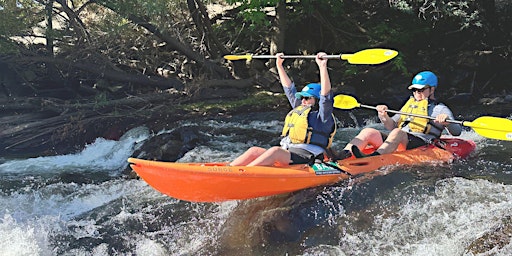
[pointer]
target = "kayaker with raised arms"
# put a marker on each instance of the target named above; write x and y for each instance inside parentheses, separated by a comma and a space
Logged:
(408, 132)
(309, 127)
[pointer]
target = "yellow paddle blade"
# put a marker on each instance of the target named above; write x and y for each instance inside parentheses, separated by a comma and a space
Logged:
(238, 57)
(492, 127)
(345, 102)
(370, 56)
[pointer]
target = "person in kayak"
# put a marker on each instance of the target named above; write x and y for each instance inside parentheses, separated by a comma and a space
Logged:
(408, 132)
(309, 127)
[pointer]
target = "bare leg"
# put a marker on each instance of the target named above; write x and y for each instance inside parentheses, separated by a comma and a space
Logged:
(248, 156)
(366, 136)
(274, 155)
(396, 138)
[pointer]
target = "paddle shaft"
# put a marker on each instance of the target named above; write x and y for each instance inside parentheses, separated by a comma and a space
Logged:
(411, 114)
(342, 56)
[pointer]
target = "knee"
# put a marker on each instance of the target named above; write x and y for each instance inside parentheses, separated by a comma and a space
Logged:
(368, 133)
(397, 131)
(274, 149)
(255, 150)
(397, 134)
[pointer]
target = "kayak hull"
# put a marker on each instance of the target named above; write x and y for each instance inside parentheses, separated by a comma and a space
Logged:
(216, 182)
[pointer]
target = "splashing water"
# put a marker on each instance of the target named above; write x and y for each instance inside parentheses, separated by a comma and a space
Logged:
(425, 210)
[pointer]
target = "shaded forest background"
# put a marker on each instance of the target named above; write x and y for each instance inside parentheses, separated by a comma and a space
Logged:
(72, 71)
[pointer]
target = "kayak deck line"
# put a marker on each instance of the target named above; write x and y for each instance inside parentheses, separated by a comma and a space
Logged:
(217, 181)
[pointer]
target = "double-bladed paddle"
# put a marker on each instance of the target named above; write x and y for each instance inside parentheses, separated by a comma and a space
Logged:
(368, 56)
(487, 126)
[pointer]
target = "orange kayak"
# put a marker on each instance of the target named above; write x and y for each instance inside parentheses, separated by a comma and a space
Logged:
(216, 182)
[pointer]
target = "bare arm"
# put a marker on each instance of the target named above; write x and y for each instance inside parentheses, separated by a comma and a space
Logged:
(453, 129)
(325, 81)
(388, 122)
(283, 77)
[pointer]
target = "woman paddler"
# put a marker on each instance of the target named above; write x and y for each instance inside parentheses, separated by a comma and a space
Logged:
(309, 127)
(408, 132)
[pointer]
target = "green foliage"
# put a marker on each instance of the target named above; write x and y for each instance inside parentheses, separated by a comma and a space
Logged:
(257, 12)
(400, 65)
(465, 12)
(254, 11)
(114, 41)
(399, 34)
(351, 70)
(385, 32)
(149, 8)
(17, 21)
(467, 15)
(256, 18)
(8, 46)
(100, 100)
(401, 5)
(328, 7)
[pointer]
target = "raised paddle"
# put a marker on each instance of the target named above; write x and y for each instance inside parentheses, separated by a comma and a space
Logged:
(487, 126)
(368, 56)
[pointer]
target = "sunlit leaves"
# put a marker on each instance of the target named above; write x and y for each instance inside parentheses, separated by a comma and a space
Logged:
(255, 11)
(466, 12)
(19, 17)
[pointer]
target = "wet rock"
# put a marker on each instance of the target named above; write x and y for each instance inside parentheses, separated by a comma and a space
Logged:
(259, 226)
(262, 223)
(495, 239)
(170, 146)
(508, 98)
(492, 100)
(461, 99)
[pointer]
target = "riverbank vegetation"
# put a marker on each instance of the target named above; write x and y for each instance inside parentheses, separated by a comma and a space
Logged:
(72, 71)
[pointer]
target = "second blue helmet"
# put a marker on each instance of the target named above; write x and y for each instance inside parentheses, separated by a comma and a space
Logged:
(310, 90)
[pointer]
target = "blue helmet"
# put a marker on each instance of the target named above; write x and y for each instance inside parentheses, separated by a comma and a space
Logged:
(422, 79)
(310, 90)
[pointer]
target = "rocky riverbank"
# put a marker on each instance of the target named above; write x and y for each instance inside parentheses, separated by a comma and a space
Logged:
(38, 126)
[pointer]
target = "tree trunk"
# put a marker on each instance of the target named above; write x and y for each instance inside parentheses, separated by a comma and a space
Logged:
(280, 25)
(488, 10)
(49, 27)
(211, 37)
(75, 21)
(202, 21)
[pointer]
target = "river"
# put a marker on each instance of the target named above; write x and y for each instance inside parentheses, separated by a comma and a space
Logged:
(83, 204)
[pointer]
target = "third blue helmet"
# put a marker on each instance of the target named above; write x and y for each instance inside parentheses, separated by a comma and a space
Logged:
(422, 79)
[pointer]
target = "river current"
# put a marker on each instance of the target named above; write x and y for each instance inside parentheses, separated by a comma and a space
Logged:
(82, 204)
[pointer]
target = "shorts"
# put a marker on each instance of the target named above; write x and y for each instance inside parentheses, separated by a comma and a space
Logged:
(413, 141)
(301, 156)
